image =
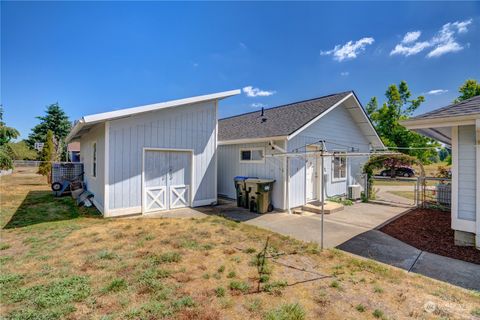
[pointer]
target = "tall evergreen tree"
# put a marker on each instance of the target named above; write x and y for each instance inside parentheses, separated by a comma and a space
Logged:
(470, 88)
(56, 120)
(399, 105)
(47, 156)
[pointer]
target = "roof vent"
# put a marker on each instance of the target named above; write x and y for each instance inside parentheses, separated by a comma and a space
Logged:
(263, 116)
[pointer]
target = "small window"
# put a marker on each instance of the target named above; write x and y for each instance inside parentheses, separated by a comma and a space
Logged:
(252, 155)
(339, 167)
(94, 160)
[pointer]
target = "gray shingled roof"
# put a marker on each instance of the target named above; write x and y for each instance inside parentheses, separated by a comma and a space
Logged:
(280, 121)
(464, 108)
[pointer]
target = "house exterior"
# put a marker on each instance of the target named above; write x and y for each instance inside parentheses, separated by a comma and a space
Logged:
(153, 157)
(458, 126)
(248, 143)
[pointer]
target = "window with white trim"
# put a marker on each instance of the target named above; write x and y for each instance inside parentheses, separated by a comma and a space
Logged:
(252, 155)
(94, 159)
(339, 166)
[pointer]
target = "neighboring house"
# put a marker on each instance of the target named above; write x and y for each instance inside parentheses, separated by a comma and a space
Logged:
(73, 150)
(154, 157)
(246, 140)
(458, 125)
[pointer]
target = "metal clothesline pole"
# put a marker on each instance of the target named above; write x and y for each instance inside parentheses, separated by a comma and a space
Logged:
(323, 193)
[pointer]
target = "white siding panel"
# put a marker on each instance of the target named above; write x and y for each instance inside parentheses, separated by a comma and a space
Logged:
(341, 133)
(94, 184)
(229, 166)
(466, 173)
(184, 127)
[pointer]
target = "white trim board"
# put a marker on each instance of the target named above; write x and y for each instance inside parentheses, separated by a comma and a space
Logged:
(100, 117)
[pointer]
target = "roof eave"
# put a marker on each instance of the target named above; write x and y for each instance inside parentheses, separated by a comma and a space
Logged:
(437, 122)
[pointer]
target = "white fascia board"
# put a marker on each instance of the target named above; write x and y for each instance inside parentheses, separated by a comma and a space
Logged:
(251, 140)
(78, 126)
(100, 117)
(369, 122)
(158, 106)
(439, 122)
(290, 137)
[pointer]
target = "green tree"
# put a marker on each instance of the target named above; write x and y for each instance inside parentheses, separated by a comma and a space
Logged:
(470, 88)
(56, 120)
(47, 156)
(399, 105)
(6, 133)
(21, 151)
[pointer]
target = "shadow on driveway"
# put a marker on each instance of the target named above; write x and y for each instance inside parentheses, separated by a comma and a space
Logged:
(381, 247)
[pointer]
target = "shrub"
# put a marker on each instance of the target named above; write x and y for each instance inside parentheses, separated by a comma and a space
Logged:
(221, 269)
(250, 250)
(335, 284)
(231, 274)
(4, 246)
(167, 257)
(6, 163)
(255, 305)
(292, 311)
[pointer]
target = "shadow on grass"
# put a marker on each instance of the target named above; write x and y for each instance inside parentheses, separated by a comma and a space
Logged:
(42, 206)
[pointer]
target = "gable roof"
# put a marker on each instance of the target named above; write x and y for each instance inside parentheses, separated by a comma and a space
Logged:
(463, 108)
(85, 123)
(280, 121)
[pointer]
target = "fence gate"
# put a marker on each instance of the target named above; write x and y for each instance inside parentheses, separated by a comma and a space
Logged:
(167, 176)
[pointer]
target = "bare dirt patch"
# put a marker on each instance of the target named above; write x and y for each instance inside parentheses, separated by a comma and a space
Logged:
(430, 230)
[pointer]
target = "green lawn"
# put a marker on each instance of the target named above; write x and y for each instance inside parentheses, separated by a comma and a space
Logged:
(61, 262)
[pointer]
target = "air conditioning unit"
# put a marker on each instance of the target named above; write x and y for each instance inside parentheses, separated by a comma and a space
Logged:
(354, 192)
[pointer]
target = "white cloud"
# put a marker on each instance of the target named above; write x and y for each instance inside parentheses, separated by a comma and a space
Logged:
(344, 74)
(411, 36)
(437, 92)
(258, 105)
(349, 50)
(444, 41)
(408, 51)
(256, 92)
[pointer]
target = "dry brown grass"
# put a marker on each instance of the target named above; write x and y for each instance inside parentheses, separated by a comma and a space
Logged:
(149, 268)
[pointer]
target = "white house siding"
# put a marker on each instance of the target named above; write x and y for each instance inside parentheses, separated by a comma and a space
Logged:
(229, 166)
(184, 127)
(94, 184)
(466, 173)
(340, 131)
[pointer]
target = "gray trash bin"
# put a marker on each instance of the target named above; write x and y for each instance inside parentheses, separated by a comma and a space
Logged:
(260, 195)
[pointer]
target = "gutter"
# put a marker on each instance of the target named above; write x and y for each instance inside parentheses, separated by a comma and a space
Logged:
(78, 126)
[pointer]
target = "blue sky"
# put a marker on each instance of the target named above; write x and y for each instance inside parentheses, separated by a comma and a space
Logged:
(95, 57)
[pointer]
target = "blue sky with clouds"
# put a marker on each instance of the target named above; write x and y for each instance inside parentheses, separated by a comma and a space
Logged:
(93, 57)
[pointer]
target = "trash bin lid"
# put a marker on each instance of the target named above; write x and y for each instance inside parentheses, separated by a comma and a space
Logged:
(256, 180)
(243, 178)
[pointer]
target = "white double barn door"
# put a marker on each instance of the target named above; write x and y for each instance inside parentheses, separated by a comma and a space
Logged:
(167, 180)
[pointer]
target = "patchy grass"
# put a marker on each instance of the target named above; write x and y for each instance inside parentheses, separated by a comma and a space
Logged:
(59, 261)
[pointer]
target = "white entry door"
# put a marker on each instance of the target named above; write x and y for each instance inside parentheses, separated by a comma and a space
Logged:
(166, 180)
(312, 177)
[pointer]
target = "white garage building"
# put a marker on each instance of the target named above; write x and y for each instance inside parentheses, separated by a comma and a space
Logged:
(153, 157)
